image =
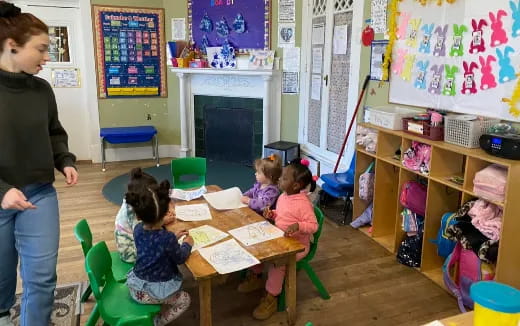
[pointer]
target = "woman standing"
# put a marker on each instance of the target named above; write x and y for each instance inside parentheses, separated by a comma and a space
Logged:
(32, 144)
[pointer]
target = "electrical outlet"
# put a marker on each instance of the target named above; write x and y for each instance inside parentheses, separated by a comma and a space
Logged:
(148, 116)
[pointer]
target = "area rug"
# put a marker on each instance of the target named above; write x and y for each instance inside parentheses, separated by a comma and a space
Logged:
(66, 310)
(223, 174)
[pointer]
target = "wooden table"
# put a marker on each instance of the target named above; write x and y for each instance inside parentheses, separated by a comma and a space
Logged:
(281, 250)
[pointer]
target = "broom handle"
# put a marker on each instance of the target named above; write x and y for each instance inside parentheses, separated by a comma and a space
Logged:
(365, 84)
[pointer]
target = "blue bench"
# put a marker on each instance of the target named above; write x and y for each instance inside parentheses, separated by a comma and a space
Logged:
(124, 135)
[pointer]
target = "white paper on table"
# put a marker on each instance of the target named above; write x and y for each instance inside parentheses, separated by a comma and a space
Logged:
(195, 212)
(178, 29)
(257, 232)
(318, 34)
(317, 60)
(204, 235)
(225, 199)
(291, 59)
(286, 10)
(187, 194)
(435, 323)
(316, 87)
(228, 257)
(340, 39)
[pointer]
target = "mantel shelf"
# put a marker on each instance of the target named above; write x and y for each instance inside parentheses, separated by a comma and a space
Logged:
(233, 72)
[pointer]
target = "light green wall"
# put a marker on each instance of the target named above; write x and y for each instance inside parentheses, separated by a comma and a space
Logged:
(165, 111)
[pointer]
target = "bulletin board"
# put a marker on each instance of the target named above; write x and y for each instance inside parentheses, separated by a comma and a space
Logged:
(244, 24)
(462, 56)
(130, 57)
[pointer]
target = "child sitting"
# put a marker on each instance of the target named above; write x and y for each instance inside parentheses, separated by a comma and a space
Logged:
(265, 191)
(125, 218)
(295, 216)
(155, 278)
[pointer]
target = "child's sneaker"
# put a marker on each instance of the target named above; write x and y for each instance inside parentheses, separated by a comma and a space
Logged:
(267, 307)
(252, 283)
(5, 319)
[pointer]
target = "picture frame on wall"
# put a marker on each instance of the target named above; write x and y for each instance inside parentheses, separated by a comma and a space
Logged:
(245, 25)
(130, 51)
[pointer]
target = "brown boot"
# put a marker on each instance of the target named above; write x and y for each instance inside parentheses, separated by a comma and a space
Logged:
(252, 283)
(267, 307)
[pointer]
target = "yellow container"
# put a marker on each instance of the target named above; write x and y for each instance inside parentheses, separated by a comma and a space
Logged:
(496, 304)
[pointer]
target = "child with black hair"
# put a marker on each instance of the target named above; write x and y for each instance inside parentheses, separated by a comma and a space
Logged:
(294, 215)
(125, 219)
(155, 278)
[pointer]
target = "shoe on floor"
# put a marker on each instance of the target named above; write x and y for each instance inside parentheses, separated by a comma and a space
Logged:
(5, 320)
(252, 283)
(267, 307)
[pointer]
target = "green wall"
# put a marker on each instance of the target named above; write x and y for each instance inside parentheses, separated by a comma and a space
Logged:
(165, 111)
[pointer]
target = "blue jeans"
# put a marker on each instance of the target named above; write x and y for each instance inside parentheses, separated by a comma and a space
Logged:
(33, 235)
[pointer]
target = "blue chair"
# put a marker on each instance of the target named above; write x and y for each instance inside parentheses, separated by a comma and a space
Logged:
(340, 186)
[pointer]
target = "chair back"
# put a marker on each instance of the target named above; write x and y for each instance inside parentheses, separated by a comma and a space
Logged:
(316, 236)
(83, 235)
(188, 166)
(98, 265)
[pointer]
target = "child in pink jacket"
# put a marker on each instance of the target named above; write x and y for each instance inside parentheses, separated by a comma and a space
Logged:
(294, 215)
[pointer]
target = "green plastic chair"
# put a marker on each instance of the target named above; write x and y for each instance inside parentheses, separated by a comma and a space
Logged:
(188, 166)
(119, 268)
(113, 301)
(304, 263)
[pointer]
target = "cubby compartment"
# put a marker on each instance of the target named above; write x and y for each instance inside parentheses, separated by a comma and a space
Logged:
(387, 146)
(405, 145)
(385, 204)
(448, 167)
(362, 162)
(474, 165)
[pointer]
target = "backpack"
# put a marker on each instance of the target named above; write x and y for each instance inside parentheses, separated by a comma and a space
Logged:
(461, 269)
(366, 184)
(413, 197)
(444, 244)
(410, 250)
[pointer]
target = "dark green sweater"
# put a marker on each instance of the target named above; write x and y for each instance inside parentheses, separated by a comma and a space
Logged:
(32, 140)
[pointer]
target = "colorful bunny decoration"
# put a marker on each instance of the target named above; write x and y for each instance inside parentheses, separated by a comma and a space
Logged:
(477, 42)
(403, 25)
(440, 44)
(499, 35)
(457, 48)
(424, 47)
(435, 84)
(414, 28)
(406, 74)
(449, 84)
(488, 80)
(507, 72)
(397, 66)
(515, 13)
(469, 86)
(420, 81)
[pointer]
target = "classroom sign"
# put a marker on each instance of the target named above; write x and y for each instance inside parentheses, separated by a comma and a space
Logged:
(130, 52)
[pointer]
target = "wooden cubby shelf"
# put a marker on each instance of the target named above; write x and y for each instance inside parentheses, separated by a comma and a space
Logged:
(443, 196)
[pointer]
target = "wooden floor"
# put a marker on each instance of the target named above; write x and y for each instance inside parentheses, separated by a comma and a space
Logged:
(367, 285)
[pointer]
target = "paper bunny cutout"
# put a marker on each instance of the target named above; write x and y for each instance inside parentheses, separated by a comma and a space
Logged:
(439, 48)
(488, 80)
(507, 72)
(469, 86)
(424, 47)
(414, 28)
(457, 48)
(435, 84)
(477, 41)
(449, 84)
(499, 35)
(403, 25)
(515, 13)
(406, 74)
(420, 81)
(397, 67)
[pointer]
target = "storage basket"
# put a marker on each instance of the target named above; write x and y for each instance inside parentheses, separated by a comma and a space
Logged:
(423, 129)
(389, 117)
(458, 130)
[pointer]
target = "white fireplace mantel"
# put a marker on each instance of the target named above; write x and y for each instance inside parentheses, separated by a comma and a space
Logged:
(261, 84)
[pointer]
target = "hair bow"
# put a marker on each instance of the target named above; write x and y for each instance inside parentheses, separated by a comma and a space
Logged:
(315, 178)
(271, 157)
(305, 162)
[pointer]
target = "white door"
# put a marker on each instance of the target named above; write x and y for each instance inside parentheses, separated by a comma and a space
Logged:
(330, 78)
(66, 52)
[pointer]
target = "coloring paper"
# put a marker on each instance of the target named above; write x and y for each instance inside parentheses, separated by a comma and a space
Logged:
(257, 232)
(228, 257)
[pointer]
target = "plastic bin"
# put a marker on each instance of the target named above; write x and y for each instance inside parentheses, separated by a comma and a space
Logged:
(495, 304)
(389, 117)
(423, 129)
(460, 130)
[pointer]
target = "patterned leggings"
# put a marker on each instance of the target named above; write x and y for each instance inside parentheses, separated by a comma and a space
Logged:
(172, 307)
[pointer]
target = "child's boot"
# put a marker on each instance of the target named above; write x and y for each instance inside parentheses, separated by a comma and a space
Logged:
(267, 307)
(252, 283)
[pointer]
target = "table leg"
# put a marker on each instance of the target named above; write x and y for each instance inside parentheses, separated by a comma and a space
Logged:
(290, 290)
(205, 302)
(156, 150)
(103, 155)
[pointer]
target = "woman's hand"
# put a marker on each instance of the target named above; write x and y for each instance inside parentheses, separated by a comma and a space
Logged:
(245, 200)
(71, 175)
(15, 199)
(292, 229)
